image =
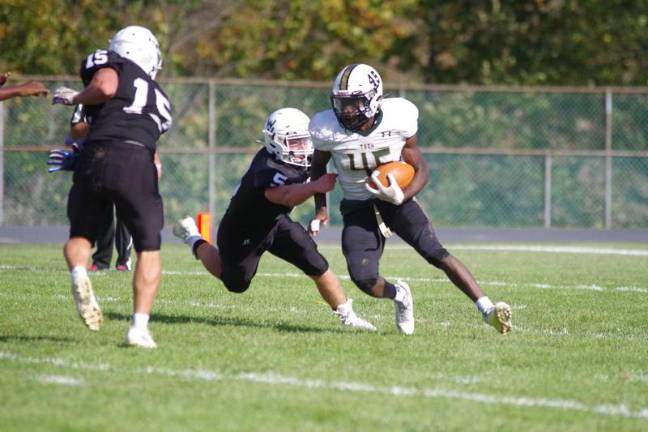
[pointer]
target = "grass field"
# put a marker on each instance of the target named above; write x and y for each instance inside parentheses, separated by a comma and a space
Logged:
(275, 358)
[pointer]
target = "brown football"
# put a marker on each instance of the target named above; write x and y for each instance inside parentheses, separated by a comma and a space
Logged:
(402, 171)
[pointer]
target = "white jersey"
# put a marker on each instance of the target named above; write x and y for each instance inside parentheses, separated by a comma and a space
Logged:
(356, 155)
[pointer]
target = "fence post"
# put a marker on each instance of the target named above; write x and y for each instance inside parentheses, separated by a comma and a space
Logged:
(547, 190)
(212, 156)
(608, 159)
(1, 163)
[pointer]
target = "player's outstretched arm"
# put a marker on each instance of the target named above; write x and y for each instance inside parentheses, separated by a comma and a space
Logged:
(101, 89)
(295, 194)
(30, 88)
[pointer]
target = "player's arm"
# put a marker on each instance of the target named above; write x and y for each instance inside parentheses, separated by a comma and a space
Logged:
(30, 88)
(101, 88)
(318, 169)
(411, 154)
(295, 194)
(158, 163)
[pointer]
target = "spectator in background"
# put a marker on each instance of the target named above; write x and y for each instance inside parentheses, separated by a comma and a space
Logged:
(30, 88)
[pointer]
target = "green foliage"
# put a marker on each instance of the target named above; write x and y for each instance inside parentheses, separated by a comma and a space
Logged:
(528, 42)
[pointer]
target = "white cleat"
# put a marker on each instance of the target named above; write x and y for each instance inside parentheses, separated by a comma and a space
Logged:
(186, 230)
(499, 317)
(140, 338)
(404, 305)
(86, 302)
(349, 318)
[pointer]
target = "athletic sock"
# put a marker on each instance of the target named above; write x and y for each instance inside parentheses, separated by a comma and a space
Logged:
(140, 320)
(78, 271)
(484, 305)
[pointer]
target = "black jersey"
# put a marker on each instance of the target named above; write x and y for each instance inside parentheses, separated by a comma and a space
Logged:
(140, 111)
(249, 207)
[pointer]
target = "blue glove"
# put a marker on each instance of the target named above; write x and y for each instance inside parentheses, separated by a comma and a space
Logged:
(62, 160)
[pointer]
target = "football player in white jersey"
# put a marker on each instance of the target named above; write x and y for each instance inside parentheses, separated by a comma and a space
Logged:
(361, 131)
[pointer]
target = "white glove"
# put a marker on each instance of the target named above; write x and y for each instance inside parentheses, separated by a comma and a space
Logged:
(314, 227)
(392, 193)
(64, 96)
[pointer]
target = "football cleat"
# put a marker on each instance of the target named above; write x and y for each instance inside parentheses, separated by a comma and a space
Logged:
(404, 306)
(499, 317)
(186, 230)
(140, 337)
(349, 318)
(86, 302)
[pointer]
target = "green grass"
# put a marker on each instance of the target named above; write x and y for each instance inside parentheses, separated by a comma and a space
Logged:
(275, 359)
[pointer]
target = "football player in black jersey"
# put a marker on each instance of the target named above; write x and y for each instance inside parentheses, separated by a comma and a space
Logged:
(128, 111)
(257, 218)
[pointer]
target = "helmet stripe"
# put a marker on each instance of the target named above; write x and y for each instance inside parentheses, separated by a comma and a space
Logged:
(344, 80)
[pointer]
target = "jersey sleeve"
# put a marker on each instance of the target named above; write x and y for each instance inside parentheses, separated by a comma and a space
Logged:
(321, 130)
(78, 116)
(408, 114)
(98, 60)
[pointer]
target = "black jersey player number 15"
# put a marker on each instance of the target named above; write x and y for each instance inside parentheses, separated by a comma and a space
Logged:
(163, 116)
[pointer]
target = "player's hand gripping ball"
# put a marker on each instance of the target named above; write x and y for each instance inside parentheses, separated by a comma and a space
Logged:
(402, 172)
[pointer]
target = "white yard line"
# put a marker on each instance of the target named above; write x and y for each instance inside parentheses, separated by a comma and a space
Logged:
(269, 378)
(60, 379)
(442, 280)
(553, 249)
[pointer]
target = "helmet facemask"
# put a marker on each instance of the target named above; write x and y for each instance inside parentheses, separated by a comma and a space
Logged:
(355, 110)
(298, 150)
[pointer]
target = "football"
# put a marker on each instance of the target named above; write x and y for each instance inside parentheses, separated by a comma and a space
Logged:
(402, 171)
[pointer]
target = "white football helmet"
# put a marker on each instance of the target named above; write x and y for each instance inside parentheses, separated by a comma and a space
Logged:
(286, 136)
(356, 95)
(140, 46)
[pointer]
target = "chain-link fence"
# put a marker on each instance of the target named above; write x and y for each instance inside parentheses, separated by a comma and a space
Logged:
(498, 156)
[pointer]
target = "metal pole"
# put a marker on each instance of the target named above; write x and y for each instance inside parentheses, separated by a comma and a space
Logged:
(1, 163)
(608, 159)
(212, 155)
(547, 191)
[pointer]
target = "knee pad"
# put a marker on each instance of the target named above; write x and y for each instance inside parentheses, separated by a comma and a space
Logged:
(365, 285)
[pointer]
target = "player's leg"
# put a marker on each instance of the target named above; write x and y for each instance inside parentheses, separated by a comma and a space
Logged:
(102, 256)
(139, 206)
(411, 223)
(87, 215)
(187, 231)
(124, 246)
(292, 243)
(362, 246)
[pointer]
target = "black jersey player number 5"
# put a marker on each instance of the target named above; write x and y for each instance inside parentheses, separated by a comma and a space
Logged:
(162, 118)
